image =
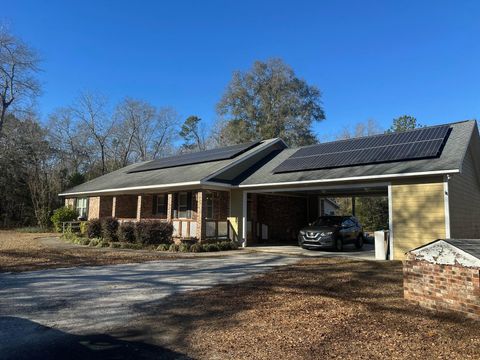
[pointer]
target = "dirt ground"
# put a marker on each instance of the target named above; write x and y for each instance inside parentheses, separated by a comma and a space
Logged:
(317, 309)
(25, 251)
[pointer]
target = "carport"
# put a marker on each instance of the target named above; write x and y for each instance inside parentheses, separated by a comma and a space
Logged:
(276, 215)
(431, 177)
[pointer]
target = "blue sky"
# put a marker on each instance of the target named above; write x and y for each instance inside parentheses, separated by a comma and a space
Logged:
(371, 59)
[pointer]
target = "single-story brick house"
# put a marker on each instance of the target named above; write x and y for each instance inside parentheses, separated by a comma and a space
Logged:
(267, 191)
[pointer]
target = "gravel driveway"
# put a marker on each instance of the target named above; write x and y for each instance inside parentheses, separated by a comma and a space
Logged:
(96, 299)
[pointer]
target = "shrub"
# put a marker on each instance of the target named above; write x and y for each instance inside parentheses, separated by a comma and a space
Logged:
(211, 247)
(126, 232)
(173, 247)
(63, 214)
(196, 248)
(184, 247)
(153, 232)
(94, 229)
(83, 241)
(83, 227)
(94, 242)
(225, 245)
(103, 243)
(109, 228)
(69, 235)
(163, 247)
(115, 245)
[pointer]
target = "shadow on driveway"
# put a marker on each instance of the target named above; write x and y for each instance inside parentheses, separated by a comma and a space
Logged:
(25, 339)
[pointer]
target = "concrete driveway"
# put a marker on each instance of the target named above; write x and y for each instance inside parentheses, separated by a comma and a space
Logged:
(92, 300)
(349, 251)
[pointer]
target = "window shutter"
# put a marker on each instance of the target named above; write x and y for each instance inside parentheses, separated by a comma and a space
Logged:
(175, 205)
(154, 204)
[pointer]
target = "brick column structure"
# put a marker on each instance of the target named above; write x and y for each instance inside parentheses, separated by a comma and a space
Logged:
(442, 287)
(139, 207)
(200, 215)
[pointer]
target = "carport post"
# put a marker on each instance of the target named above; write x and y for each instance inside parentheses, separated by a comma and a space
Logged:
(390, 222)
(353, 205)
(244, 218)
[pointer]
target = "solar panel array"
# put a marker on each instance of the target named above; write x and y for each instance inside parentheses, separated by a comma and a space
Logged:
(196, 157)
(410, 145)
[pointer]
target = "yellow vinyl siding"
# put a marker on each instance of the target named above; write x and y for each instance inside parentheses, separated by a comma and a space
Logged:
(418, 215)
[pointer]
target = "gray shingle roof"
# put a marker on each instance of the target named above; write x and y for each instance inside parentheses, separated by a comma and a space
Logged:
(262, 172)
(120, 179)
(450, 159)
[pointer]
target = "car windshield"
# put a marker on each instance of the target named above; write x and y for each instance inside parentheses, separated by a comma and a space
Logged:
(329, 221)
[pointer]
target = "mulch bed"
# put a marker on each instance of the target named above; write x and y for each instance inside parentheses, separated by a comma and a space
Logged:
(316, 309)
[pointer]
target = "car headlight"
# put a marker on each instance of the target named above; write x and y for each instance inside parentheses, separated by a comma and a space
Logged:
(302, 232)
(327, 233)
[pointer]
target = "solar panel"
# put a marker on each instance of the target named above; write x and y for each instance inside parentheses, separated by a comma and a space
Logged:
(228, 152)
(409, 145)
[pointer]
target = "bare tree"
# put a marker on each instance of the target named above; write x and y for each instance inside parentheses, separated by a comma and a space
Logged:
(370, 127)
(154, 138)
(132, 117)
(18, 66)
(68, 142)
(95, 123)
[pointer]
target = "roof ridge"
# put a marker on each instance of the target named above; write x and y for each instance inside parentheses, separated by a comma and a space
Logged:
(383, 134)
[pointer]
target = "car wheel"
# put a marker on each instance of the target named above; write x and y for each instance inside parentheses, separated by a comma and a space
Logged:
(359, 242)
(339, 244)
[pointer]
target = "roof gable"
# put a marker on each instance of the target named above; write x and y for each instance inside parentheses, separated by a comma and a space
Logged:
(450, 252)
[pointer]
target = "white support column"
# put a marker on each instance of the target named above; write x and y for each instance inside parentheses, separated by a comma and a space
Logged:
(390, 220)
(447, 206)
(114, 206)
(244, 218)
(139, 207)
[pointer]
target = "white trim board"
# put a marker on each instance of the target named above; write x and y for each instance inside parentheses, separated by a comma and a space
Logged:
(353, 178)
(447, 207)
(390, 221)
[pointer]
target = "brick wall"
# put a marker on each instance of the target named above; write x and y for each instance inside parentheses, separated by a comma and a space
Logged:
(442, 287)
(284, 215)
(125, 206)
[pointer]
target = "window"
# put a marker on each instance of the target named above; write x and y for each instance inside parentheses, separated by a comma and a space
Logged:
(209, 205)
(183, 208)
(160, 204)
(82, 207)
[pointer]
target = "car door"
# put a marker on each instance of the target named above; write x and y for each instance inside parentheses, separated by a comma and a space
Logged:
(348, 230)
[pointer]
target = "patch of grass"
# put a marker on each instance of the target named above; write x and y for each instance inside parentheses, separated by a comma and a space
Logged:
(32, 229)
(132, 246)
